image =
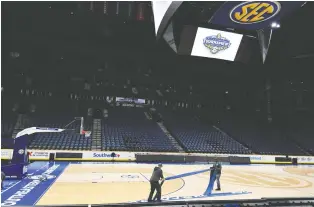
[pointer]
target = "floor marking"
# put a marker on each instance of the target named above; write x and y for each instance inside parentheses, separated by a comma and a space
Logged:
(144, 177)
(22, 179)
(50, 184)
(32, 187)
(11, 186)
(177, 189)
(170, 192)
(94, 179)
(190, 187)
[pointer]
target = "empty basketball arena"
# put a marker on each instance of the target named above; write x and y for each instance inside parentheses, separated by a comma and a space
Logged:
(162, 103)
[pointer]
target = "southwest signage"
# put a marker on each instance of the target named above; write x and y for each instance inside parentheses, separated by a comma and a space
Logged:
(253, 15)
(105, 155)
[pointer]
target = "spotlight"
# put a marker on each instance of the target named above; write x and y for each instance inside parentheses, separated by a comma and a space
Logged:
(275, 25)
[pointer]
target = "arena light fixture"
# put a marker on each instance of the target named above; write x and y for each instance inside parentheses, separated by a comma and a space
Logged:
(275, 25)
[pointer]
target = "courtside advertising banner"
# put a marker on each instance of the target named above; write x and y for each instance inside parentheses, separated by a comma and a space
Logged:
(108, 155)
(38, 154)
(6, 154)
(217, 44)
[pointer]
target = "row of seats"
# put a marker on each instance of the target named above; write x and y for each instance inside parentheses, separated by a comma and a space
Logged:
(198, 137)
(67, 140)
(302, 134)
(62, 141)
(129, 129)
(261, 137)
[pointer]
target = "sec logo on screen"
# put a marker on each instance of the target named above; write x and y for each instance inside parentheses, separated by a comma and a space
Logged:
(254, 11)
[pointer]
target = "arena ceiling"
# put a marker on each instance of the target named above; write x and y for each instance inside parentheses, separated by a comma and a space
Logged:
(57, 42)
(295, 37)
(47, 33)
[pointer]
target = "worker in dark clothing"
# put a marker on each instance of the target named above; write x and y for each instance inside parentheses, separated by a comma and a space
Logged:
(2, 179)
(216, 169)
(154, 183)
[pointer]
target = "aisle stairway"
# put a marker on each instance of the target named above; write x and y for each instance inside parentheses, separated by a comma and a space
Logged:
(96, 135)
(173, 141)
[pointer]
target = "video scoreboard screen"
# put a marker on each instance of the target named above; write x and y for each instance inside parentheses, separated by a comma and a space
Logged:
(230, 16)
(217, 44)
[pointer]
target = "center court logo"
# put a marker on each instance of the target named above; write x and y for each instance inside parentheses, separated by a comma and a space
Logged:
(254, 11)
(216, 43)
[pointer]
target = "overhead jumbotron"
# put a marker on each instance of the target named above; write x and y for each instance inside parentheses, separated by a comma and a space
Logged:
(232, 31)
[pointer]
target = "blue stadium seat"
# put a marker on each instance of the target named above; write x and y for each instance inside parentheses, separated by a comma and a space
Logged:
(129, 129)
(199, 137)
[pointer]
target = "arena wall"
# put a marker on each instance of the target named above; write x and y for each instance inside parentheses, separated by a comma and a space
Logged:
(63, 155)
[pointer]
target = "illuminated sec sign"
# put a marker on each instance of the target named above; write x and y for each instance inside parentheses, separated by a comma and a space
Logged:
(253, 15)
(254, 12)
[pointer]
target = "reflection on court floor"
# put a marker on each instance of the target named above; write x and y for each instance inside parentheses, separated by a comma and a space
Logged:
(90, 183)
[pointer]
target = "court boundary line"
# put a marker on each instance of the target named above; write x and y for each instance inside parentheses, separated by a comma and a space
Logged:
(23, 179)
(68, 164)
(170, 192)
(177, 189)
(11, 186)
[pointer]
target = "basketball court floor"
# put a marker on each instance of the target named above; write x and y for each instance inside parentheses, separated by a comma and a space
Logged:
(94, 183)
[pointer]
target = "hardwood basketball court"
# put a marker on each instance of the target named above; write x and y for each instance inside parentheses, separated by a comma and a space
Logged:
(95, 183)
